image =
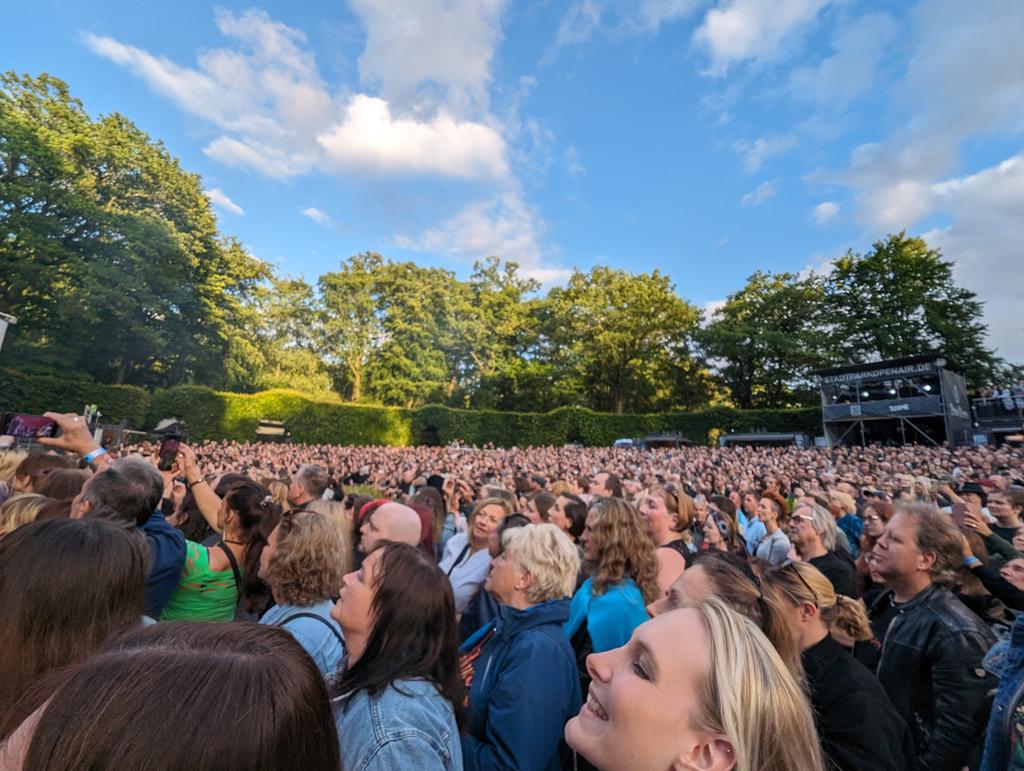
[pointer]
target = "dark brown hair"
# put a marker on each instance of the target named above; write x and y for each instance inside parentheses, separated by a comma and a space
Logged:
(152, 700)
(61, 484)
(429, 496)
(258, 514)
(36, 463)
(733, 582)
(414, 633)
(543, 500)
(66, 586)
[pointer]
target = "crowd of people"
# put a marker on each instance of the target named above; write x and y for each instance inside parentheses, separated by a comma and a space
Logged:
(244, 606)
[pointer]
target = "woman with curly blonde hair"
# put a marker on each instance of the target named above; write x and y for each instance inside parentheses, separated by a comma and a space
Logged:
(623, 579)
(303, 562)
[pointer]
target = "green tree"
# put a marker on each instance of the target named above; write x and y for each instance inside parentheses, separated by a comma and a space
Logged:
(900, 299)
(769, 337)
(620, 341)
(110, 256)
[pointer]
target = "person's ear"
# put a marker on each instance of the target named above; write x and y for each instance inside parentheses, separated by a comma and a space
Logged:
(808, 611)
(712, 752)
(525, 581)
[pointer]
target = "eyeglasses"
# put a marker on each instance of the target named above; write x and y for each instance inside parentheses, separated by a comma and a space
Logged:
(872, 518)
(803, 517)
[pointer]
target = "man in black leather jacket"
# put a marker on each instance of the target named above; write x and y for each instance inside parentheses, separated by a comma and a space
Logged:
(932, 650)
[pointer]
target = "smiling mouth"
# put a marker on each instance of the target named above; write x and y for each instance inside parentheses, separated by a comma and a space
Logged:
(594, 707)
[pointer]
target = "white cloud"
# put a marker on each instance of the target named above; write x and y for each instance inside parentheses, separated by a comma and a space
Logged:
(850, 72)
(318, 216)
(762, 193)
(504, 226)
(278, 117)
(825, 212)
(371, 138)
(984, 242)
(964, 80)
(445, 44)
(220, 199)
(584, 18)
(755, 154)
(739, 30)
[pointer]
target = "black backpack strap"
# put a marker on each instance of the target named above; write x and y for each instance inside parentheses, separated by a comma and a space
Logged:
(234, 565)
(321, 619)
(458, 559)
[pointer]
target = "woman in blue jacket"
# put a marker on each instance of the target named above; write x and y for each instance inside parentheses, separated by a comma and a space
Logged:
(520, 668)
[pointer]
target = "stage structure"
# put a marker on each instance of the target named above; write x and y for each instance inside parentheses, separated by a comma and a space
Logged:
(916, 400)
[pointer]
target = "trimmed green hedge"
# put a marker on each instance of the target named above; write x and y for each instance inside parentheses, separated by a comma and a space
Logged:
(213, 414)
(37, 393)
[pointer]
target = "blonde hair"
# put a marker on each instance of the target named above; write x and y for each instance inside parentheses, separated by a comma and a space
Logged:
(20, 509)
(624, 548)
(310, 558)
(559, 487)
(334, 509)
(9, 462)
(749, 695)
(800, 582)
(279, 490)
(549, 554)
(844, 500)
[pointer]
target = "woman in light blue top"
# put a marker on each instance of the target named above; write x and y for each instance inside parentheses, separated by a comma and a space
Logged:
(399, 704)
(303, 563)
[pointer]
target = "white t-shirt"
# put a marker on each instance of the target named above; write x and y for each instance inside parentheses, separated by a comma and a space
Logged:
(465, 571)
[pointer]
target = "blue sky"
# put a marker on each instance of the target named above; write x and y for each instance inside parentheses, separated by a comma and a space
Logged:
(706, 138)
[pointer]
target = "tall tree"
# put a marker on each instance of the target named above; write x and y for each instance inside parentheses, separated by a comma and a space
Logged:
(111, 256)
(618, 338)
(900, 299)
(768, 338)
(351, 326)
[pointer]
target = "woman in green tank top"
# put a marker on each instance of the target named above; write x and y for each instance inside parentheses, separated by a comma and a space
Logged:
(215, 578)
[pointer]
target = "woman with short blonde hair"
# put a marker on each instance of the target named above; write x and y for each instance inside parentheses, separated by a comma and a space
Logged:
(549, 555)
(303, 563)
(727, 702)
(522, 657)
(858, 725)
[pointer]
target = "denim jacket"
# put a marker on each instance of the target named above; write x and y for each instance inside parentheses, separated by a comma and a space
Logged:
(322, 639)
(1004, 741)
(407, 726)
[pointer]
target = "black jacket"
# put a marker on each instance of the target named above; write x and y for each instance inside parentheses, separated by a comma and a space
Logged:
(857, 724)
(931, 669)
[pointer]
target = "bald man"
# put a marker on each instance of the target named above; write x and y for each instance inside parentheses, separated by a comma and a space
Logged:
(390, 522)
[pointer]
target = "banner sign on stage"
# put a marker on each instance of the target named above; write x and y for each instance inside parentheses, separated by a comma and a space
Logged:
(881, 373)
(915, 406)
